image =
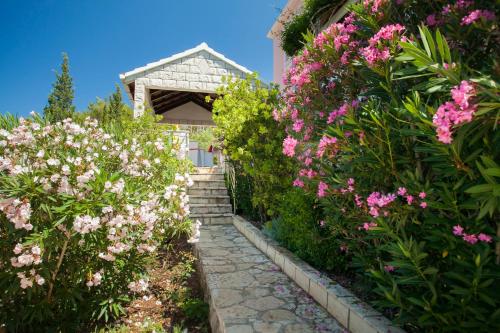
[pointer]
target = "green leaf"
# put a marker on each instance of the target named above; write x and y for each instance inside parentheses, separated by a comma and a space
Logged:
(480, 188)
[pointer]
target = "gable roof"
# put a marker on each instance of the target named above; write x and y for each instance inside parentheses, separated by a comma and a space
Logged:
(202, 47)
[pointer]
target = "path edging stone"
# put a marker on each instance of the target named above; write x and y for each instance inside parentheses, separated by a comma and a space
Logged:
(349, 310)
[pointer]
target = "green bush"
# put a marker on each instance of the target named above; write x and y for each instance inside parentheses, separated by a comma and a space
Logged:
(252, 139)
(299, 227)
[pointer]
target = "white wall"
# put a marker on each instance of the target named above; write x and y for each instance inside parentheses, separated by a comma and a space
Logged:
(189, 113)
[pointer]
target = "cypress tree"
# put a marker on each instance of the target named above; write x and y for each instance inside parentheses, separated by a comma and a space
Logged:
(60, 103)
(115, 105)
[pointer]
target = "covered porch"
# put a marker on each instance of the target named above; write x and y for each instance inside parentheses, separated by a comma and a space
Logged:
(177, 88)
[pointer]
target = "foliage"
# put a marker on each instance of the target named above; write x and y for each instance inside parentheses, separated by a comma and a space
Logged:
(299, 227)
(395, 127)
(110, 111)
(82, 214)
(250, 137)
(205, 138)
(295, 29)
(60, 103)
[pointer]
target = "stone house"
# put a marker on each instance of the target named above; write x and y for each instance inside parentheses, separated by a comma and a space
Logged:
(176, 88)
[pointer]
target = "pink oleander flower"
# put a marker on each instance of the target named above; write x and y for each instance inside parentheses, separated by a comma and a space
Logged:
(431, 20)
(476, 15)
(373, 54)
(368, 226)
(471, 239)
(458, 230)
(387, 32)
(298, 125)
(402, 191)
(322, 223)
(455, 113)
(322, 187)
(409, 199)
(324, 144)
(340, 112)
(462, 93)
(422, 195)
(374, 5)
(423, 204)
(289, 145)
(389, 268)
(298, 183)
(485, 238)
(358, 200)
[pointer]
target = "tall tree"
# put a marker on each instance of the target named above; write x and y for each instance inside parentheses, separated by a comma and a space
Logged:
(115, 105)
(60, 102)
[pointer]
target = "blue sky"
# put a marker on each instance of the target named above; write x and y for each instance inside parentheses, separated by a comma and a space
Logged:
(106, 37)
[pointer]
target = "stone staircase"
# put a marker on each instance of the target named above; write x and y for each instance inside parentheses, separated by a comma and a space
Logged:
(208, 198)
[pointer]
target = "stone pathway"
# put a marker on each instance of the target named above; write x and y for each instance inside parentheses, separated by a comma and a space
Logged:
(248, 293)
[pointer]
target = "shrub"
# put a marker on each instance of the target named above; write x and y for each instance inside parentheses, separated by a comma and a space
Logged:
(82, 213)
(395, 127)
(251, 138)
(299, 227)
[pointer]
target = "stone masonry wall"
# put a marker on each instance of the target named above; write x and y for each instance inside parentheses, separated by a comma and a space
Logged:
(200, 71)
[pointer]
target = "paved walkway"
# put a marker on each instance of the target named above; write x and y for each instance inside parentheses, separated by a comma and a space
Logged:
(249, 293)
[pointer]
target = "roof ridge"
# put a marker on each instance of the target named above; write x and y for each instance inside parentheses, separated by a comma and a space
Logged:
(201, 47)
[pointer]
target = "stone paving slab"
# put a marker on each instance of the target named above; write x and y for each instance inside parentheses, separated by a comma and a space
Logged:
(248, 293)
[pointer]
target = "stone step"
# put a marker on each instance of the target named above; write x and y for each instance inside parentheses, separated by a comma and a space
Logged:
(209, 184)
(210, 208)
(212, 219)
(248, 293)
(207, 176)
(216, 199)
(207, 192)
(205, 170)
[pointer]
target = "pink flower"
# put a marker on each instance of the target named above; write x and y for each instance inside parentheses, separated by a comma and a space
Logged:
(431, 20)
(409, 199)
(389, 268)
(323, 145)
(322, 187)
(373, 55)
(422, 195)
(322, 223)
(358, 201)
(298, 125)
(387, 32)
(342, 111)
(289, 146)
(471, 239)
(458, 230)
(402, 191)
(455, 113)
(462, 93)
(368, 226)
(485, 238)
(298, 183)
(476, 15)
(423, 204)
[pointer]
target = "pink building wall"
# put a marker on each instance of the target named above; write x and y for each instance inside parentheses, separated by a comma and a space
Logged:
(279, 57)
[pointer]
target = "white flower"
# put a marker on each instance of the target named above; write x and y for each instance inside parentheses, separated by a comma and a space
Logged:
(53, 162)
(65, 169)
(85, 224)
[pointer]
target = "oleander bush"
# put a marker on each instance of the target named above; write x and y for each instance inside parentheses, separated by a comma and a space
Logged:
(393, 116)
(82, 213)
